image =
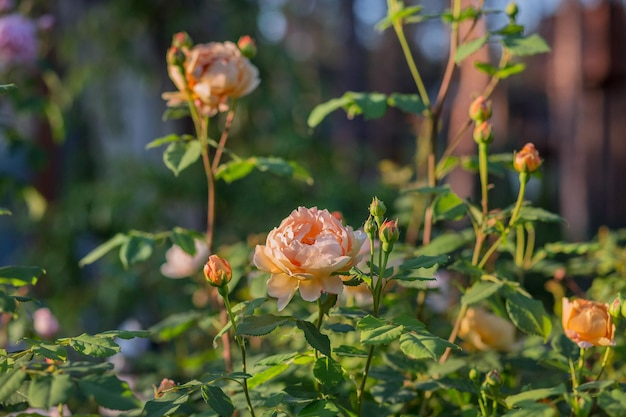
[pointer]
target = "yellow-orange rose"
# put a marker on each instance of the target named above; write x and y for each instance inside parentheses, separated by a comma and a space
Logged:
(213, 73)
(482, 330)
(588, 323)
(303, 253)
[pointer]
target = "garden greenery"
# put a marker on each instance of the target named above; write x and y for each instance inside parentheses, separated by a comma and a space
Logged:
(325, 319)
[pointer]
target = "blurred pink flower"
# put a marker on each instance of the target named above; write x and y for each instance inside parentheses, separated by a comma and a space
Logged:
(6, 5)
(179, 264)
(18, 40)
(46, 325)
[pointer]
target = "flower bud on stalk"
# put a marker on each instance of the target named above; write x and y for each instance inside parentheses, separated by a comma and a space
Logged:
(217, 271)
(378, 210)
(527, 160)
(493, 378)
(389, 234)
(483, 133)
(480, 109)
(370, 228)
(511, 10)
(616, 308)
(247, 46)
(182, 40)
(175, 56)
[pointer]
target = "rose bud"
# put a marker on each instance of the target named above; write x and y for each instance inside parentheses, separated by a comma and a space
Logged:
(181, 40)
(527, 160)
(588, 323)
(511, 10)
(247, 46)
(166, 384)
(217, 271)
(615, 308)
(389, 234)
(175, 56)
(480, 109)
(483, 133)
(377, 209)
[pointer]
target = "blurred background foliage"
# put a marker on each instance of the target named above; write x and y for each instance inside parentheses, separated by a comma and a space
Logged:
(74, 171)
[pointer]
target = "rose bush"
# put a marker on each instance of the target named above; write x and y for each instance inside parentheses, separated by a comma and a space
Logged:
(304, 252)
(588, 323)
(212, 73)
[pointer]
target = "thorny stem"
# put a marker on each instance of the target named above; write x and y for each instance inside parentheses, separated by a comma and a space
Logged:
(224, 137)
(242, 345)
(530, 245)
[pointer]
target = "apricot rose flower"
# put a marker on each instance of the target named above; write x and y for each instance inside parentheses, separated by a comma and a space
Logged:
(304, 252)
(213, 73)
(482, 330)
(588, 323)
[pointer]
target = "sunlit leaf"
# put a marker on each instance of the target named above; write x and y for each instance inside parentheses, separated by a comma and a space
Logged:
(266, 375)
(449, 206)
(164, 140)
(408, 103)
(136, 249)
(375, 331)
(528, 315)
(174, 113)
(486, 68)
(510, 69)
(4, 211)
(166, 405)
(10, 382)
(328, 372)
(525, 46)
(103, 249)
(424, 345)
(322, 110)
(613, 402)
(185, 239)
(480, 291)
(535, 395)
(94, 345)
(350, 351)
(180, 155)
(537, 214)
(398, 16)
(124, 334)
(320, 408)
(20, 276)
(47, 349)
(469, 48)
(423, 261)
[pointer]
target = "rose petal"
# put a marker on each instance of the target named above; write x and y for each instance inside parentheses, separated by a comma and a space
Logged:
(282, 287)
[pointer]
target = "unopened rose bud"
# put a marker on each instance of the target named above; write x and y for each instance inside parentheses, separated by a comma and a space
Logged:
(480, 109)
(511, 10)
(182, 40)
(175, 56)
(370, 228)
(389, 235)
(483, 133)
(377, 209)
(615, 307)
(217, 271)
(527, 160)
(247, 46)
(493, 378)
(473, 374)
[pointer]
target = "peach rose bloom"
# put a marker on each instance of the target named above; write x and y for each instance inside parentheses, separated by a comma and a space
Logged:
(588, 323)
(482, 330)
(303, 253)
(214, 72)
(179, 264)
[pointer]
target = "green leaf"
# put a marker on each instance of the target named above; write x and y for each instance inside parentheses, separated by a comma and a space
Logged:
(185, 239)
(174, 325)
(5, 87)
(47, 349)
(532, 409)
(136, 249)
(370, 105)
(124, 334)
(236, 170)
(613, 402)
(536, 214)
(4, 211)
(261, 325)
(328, 372)
(162, 141)
(528, 315)
(166, 405)
(469, 48)
(50, 390)
(350, 351)
(19, 276)
(180, 155)
(278, 359)
(322, 110)
(423, 261)
(10, 382)
(486, 68)
(480, 291)
(408, 103)
(449, 206)
(317, 340)
(266, 375)
(103, 249)
(101, 347)
(320, 408)
(424, 345)
(174, 113)
(447, 243)
(218, 400)
(375, 331)
(525, 46)
(535, 395)
(510, 69)
(108, 391)
(8, 303)
(397, 16)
